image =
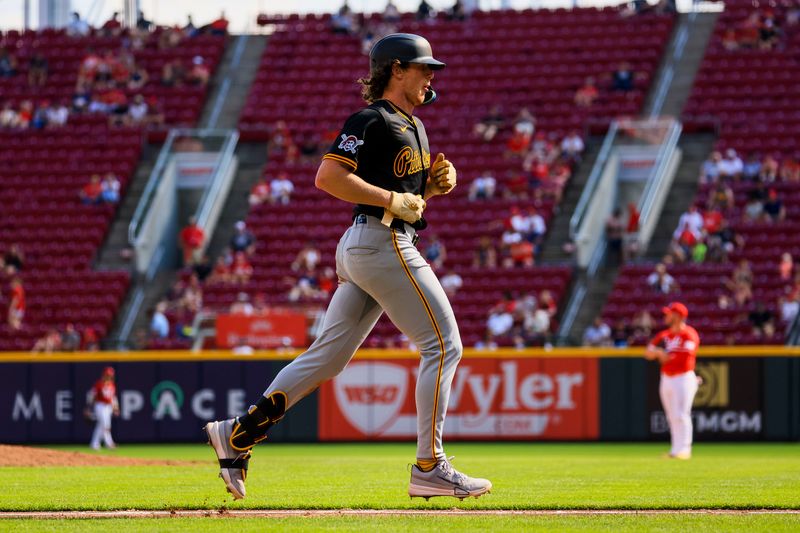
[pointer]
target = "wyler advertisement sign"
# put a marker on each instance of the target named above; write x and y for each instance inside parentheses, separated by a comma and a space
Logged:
(509, 398)
(728, 403)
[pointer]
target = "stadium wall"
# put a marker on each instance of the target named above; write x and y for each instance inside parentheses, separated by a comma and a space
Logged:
(748, 393)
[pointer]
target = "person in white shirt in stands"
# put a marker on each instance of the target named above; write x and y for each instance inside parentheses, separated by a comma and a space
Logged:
(483, 187)
(159, 324)
(691, 220)
(499, 323)
(451, 283)
(57, 115)
(138, 109)
(77, 26)
(572, 146)
(731, 165)
(281, 189)
(661, 281)
(598, 334)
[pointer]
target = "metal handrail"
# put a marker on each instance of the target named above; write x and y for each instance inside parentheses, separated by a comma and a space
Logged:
(654, 183)
(593, 181)
(225, 158)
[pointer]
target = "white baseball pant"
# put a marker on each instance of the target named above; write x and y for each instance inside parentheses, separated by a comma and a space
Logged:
(102, 426)
(677, 394)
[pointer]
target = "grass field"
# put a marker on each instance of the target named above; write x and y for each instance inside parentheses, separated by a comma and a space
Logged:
(531, 476)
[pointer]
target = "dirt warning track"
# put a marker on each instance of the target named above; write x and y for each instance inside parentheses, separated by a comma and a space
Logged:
(285, 513)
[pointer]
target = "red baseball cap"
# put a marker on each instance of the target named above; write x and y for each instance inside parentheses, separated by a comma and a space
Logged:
(676, 307)
(108, 371)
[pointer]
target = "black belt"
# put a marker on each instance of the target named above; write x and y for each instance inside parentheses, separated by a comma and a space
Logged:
(397, 224)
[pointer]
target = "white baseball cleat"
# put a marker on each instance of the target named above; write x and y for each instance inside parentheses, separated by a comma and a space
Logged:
(444, 480)
(684, 456)
(232, 464)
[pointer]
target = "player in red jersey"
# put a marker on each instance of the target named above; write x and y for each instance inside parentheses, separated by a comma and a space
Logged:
(103, 398)
(676, 349)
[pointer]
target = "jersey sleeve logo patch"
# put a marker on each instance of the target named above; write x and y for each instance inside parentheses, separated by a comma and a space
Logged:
(350, 143)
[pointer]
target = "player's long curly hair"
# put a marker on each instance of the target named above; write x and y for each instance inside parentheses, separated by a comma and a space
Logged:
(372, 88)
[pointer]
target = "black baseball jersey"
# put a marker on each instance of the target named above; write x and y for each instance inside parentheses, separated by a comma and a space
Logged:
(387, 148)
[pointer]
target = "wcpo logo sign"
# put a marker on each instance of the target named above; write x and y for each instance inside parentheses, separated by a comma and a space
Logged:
(167, 401)
(488, 398)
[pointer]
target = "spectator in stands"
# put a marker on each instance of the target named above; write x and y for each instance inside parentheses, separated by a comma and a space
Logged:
(786, 267)
(110, 189)
(391, 15)
(620, 336)
(169, 38)
(424, 11)
(723, 242)
(192, 298)
(281, 189)
(769, 170)
(548, 302)
(741, 282)
(452, 283)
(631, 247)
(220, 25)
(37, 70)
(525, 124)
(598, 334)
(14, 260)
(661, 280)
(241, 269)
(499, 323)
(457, 11)
(159, 323)
(731, 166)
(730, 40)
(39, 120)
(692, 221)
(50, 342)
(77, 27)
(172, 74)
(774, 210)
(82, 96)
(155, 113)
(622, 78)
(587, 93)
(90, 342)
(16, 304)
(343, 21)
(90, 193)
(203, 268)
(70, 339)
(142, 23)
(58, 115)
(8, 64)
(535, 329)
(259, 193)
(191, 241)
(435, 252)
(754, 209)
(712, 221)
(751, 168)
(518, 251)
(327, 282)
(9, 118)
(137, 79)
(112, 27)
(483, 187)
(615, 232)
(762, 320)
(721, 197)
(643, 325)
(307, 258)
(709, 172)
(572, 147)
(242, 305)
(769, 34)
(25, 115)
(137, 111)
(199, 73)
(490, 124)
(221, 272)
(485, 255)
(788, 309)
(242, 239)
(790, 169)
(306, 287)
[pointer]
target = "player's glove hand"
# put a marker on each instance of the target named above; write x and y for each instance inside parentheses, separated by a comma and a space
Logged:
(443, 176)
(406, 206)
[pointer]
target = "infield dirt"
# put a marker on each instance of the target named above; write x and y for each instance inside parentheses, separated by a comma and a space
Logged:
(30, 456)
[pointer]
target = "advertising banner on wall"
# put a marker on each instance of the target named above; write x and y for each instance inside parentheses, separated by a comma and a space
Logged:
(263, 331)
(159, 401)
(728, 403)
(509, 398)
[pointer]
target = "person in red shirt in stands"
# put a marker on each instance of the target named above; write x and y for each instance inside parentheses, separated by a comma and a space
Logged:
(676, 349)
(219, 26)
(192, 238)
(103, 399)
(16, 307)
(90, 193)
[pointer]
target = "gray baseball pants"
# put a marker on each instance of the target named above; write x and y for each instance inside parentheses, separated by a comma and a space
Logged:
(381, 270)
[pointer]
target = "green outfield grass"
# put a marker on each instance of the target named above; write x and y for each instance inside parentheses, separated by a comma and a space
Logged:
(374, 476)
(421, 524)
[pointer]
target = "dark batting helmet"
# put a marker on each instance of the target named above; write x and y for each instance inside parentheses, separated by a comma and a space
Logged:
(405, 47)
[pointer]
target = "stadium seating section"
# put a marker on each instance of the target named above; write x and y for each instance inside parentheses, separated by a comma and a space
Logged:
(41, 173)
(749, 97)
(533, 59)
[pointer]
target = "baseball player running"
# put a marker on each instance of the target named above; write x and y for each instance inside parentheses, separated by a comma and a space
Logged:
(381, 162)
(676, 349)
(103, 399)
